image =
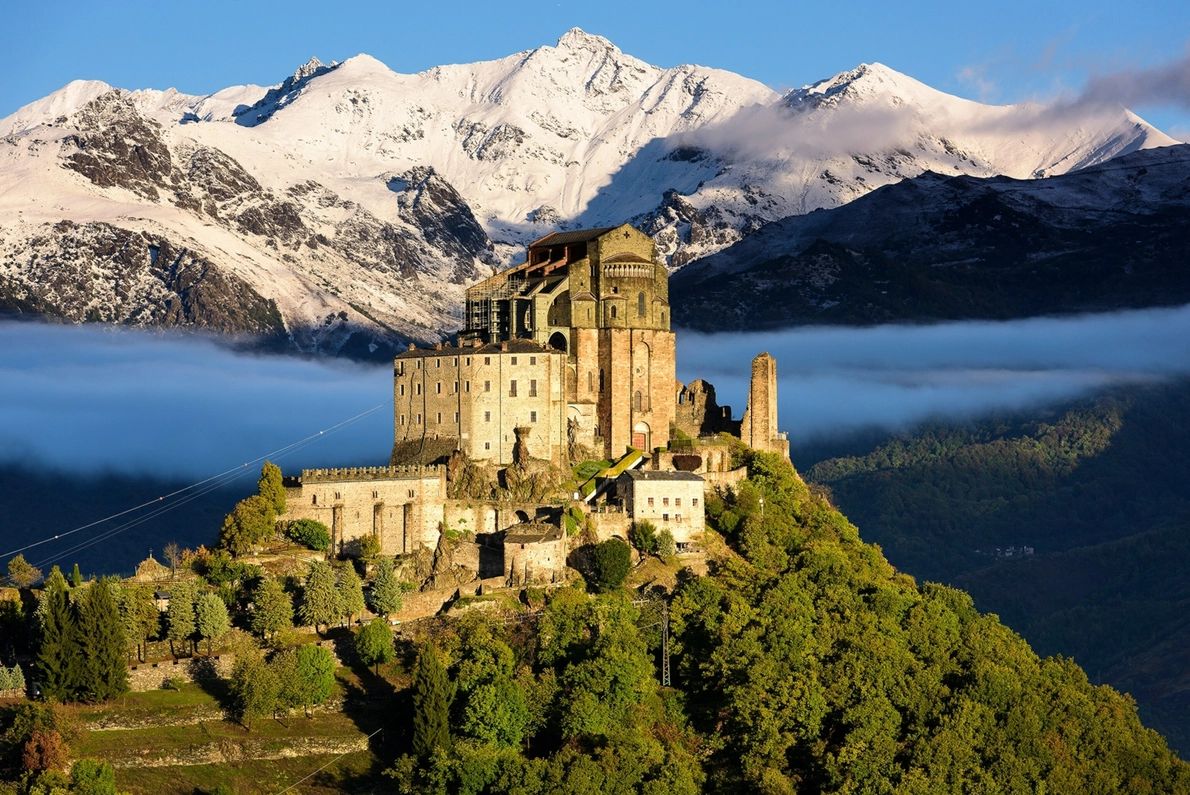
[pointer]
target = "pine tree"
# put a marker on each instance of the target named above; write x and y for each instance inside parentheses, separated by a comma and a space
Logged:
(273, 608)
(384, 597)
(320, 596)
(102, 643)
(351, 593)
(76, 576)
(270, 486)
(57, 642)
(211, 619)
(432, 694)
(180, 616)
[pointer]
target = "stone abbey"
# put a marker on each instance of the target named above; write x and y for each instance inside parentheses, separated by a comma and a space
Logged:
(571, 351)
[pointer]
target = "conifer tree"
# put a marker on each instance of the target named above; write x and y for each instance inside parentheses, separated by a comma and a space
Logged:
(273, 608)
(254, 688)
(320, 596)
(432, 694)
(210, 618)
(270, 486)
(76, 576)
(180, 616)
(57, 641)
(102, 643)
(384, 597)
(252, 520)
(351, 593)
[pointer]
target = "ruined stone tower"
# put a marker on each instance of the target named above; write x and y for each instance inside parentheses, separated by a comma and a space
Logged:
(759, 427)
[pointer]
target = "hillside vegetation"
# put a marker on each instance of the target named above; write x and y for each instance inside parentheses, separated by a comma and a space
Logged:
(1097, 489)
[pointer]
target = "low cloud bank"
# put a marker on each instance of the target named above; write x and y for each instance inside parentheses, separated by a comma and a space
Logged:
(91, 399)
(837, 380)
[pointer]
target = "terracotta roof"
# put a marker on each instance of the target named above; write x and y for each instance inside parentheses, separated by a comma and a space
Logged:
(577, 236)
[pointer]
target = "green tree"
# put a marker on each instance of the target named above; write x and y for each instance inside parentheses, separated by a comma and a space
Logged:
(432, 694)
(252, 521)
(56, 652)
(270, 486)
(612, 560)
(272, 608)
(386, 594)
(254, 688)
(102, 645)
(643, 536)
(490, 705)
(179, 616)
(368, 547)
(314, 678)
(374, 643)
(351, 593)
(138, 610)
(92, 777)
(310, 533)
(210, 618)
(76, 576)
(22, 573)
(320, 597)
(666, 546)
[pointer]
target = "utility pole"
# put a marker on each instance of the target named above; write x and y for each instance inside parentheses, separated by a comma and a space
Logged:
(665, 644)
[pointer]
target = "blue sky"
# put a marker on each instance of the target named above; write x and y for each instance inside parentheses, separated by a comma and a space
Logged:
(998, 51)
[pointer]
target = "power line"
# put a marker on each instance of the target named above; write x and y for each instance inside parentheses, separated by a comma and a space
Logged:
(198, 489)
(324, 767)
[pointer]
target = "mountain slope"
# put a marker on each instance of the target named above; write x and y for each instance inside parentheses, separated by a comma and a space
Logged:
(361, 200)
(1105, 237)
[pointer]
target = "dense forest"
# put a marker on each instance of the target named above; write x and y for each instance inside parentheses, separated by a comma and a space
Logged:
(1096, 490)
(803, 661)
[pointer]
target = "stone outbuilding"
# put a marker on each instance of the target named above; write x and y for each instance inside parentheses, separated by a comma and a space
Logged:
(534, 552)
(672, 501)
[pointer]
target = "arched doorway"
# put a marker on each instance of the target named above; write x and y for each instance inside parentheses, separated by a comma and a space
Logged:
(640, 436)
(558, 341)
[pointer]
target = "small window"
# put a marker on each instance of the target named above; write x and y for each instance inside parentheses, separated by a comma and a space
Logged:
(665, 517)
(487, 445)
(694, 502)
(438, 363)
(590, 380)
(487, 386)
(468, 360)
(314, 499)
(419, 419)
(512, 388)
(466, 386)
(650, 502)
(419, 364)
(487, 416)
(487, 360)
(440, 418)
(338, 496)
(677, 502)
(438, 388)
(375, 494)
(533, 387)
(401, 389)
(613, 311)
(532, 360)
(419, 389)
(640, 304)
(514, 361)
(677, 517)
(402, 419)
(532, 416)
(412, 494)
(665, 500)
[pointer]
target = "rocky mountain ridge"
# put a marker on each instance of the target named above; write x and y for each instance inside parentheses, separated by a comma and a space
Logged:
(361, 201)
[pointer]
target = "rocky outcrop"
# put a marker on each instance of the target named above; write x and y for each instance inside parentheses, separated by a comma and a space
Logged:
(116, 147)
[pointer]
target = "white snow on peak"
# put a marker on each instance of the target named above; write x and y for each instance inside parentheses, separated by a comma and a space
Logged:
(63, 102)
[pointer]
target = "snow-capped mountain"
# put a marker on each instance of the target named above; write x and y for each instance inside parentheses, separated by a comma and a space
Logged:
(933, 247)
(355, 203)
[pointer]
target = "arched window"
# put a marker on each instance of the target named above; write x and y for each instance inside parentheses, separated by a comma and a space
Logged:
(613, 311)
(640, 304)
(637, 400)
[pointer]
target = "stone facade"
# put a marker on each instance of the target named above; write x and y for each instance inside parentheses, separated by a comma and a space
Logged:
(534, 552)
(672, 501)
(698, 413)
(473, 397)
(402, 506)
(758, 429)
(601, 297)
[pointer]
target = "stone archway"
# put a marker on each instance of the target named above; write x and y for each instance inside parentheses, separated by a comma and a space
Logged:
(640, 436)
(558, 342)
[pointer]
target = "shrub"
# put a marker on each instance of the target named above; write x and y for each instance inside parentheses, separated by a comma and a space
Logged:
(612, 560)
(310, 533)
(643, 536)
(666, 546)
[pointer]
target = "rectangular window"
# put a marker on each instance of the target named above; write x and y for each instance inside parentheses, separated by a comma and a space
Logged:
(665, 500)
(487, 445)
(454, 387)
(468, 361)
(514, 361)
(650, 502)
(456, 417)
(677, 502)
(419, 364)
(466, 386)
(419, 389)
(487, 416)
(532, 416)
(440, 418)
(665, 517)
(532, 360)
(677, 517)
(533, 387)
(512, 388)
(402, 390)
(402, 419)
(438, 387)
(412, 494)
(419, 419)
(487, 360)
(487, 386)
(694, 502)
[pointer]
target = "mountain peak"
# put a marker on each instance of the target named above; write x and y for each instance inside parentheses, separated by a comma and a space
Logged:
(308, 68)
(865, 81)
(579, 39)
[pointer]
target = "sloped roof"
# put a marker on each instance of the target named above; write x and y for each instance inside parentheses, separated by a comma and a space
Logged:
(532, 533)
(650, 474)
(576, 236)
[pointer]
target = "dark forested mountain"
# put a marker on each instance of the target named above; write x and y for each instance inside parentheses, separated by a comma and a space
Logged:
(1112, 236)
(1074, 526)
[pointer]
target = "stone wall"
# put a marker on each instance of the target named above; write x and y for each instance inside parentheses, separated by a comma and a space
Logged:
(402, 506)
(610, 524)
(759, 429)
(153, 676)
